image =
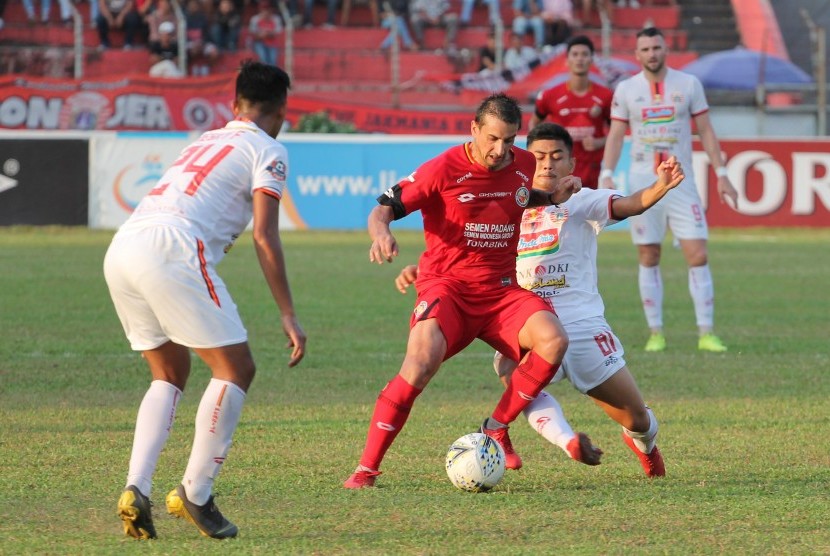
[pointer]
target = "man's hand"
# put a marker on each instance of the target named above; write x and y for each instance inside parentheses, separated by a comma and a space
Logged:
(670, 173)
(589, 143)
(384, 248)
(567, 186)
(296, 338)
(607, 183)
(407, 276)
(727, 192)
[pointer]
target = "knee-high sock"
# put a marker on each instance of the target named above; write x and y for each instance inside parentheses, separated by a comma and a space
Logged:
(533, 374)
(645, 441)
(703, 295)
(216, 421)
(152, 428)
(651, 295)
(545, 415)
(391, 412)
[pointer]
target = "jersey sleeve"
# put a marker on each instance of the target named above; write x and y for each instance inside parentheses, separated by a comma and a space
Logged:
(421, 186)
(271, 171)
(699, 104)
(541, 104)
(595, 207)
(619, 103)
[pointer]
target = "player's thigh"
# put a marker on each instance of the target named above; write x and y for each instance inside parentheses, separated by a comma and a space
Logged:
(505, 327)
(686, 216)
(650, 227)
(445, 304)
(126, 259)
(594, 354)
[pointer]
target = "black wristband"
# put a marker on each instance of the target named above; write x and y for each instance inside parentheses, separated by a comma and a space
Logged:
(550, 199)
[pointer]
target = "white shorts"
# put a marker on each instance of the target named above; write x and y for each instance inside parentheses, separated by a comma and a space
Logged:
(163, 290)
(680, 210)
(594, 353)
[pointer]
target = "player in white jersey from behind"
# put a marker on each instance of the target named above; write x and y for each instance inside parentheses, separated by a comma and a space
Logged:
(659, 104)
(160, 270)
(557, 260)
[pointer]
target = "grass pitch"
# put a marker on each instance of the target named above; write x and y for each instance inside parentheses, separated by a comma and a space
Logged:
(744, 434)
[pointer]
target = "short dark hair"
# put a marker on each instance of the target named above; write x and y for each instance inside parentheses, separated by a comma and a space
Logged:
(262, 84)
(501, 106)
(580, 39)
(649, 32)
(551, 132)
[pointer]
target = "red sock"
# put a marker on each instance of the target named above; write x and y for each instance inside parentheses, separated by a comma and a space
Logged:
(391, 411)
(527, 381)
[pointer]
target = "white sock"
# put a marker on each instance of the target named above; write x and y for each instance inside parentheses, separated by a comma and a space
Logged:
(152, 428)
(216, 421)
(651, 295)
(703, 295)
(545, 415)
(645, 440)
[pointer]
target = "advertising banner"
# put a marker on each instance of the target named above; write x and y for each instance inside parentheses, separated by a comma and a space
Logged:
(43, 181)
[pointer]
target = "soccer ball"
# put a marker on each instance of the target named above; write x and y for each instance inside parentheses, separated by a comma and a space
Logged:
(475, 462)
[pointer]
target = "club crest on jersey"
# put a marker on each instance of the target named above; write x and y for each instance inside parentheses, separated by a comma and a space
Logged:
(277, 169)
(419, 309)
(522, 196)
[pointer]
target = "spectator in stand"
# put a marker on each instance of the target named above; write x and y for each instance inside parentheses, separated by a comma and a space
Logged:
(487, 55)
(117, 14)
(434, 13)
(397, 18)
(589, 6)
(493, 11)
(331, 12)
(632, 3)
(164, 52)
(558, 16)
(265, 28)
(163, 12)
(527, 16)
(201, 53)
(46, 8)
(227, 23)
(518, 54)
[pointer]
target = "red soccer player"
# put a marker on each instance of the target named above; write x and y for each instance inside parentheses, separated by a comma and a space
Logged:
(580, 106)
(471, 198)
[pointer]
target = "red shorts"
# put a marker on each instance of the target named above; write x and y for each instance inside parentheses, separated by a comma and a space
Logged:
(464, 313)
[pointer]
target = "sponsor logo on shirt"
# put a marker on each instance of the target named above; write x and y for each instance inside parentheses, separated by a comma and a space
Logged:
(658, 115)
(277, 169)
(420, 308)
(464, 177)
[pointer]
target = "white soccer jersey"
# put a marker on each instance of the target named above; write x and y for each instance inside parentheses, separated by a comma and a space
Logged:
(660, 118)
(208, 191)
(557, 253)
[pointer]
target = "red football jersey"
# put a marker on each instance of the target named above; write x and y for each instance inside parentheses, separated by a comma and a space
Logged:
(471, 215)
(585, 115)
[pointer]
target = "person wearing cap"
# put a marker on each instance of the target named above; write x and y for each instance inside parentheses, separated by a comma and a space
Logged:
(164, 53)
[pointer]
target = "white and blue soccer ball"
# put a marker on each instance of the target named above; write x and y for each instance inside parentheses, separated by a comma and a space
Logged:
(475, 462)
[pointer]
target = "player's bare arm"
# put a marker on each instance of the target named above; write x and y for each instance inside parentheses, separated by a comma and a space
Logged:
(384, 245)
(669, 176)
(272, 261)
(726, 191)
(613, 148)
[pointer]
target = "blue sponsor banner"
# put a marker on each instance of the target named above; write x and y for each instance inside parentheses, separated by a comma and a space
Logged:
(334, 180)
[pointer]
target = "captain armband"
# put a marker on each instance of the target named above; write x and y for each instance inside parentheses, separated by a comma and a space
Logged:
(392, 198)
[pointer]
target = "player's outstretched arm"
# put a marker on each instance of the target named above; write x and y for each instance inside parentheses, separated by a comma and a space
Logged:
(669, 176)
(272, 261)
(384, 246)
(565, 187)
(406, 276)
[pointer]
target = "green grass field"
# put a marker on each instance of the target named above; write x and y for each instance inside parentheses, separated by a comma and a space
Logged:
(745, 435)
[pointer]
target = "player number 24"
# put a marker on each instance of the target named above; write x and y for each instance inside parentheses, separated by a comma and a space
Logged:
(190, 159)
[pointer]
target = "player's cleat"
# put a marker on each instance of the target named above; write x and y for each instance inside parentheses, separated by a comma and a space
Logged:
(656, 342)
(652, 462)
(361, 479)
(511, 458)
(710, 342)
(134, 511)
(582, 450)
(207, 518)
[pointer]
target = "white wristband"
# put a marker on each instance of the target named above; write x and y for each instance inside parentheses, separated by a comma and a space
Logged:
(722, 172)
(606, 173)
